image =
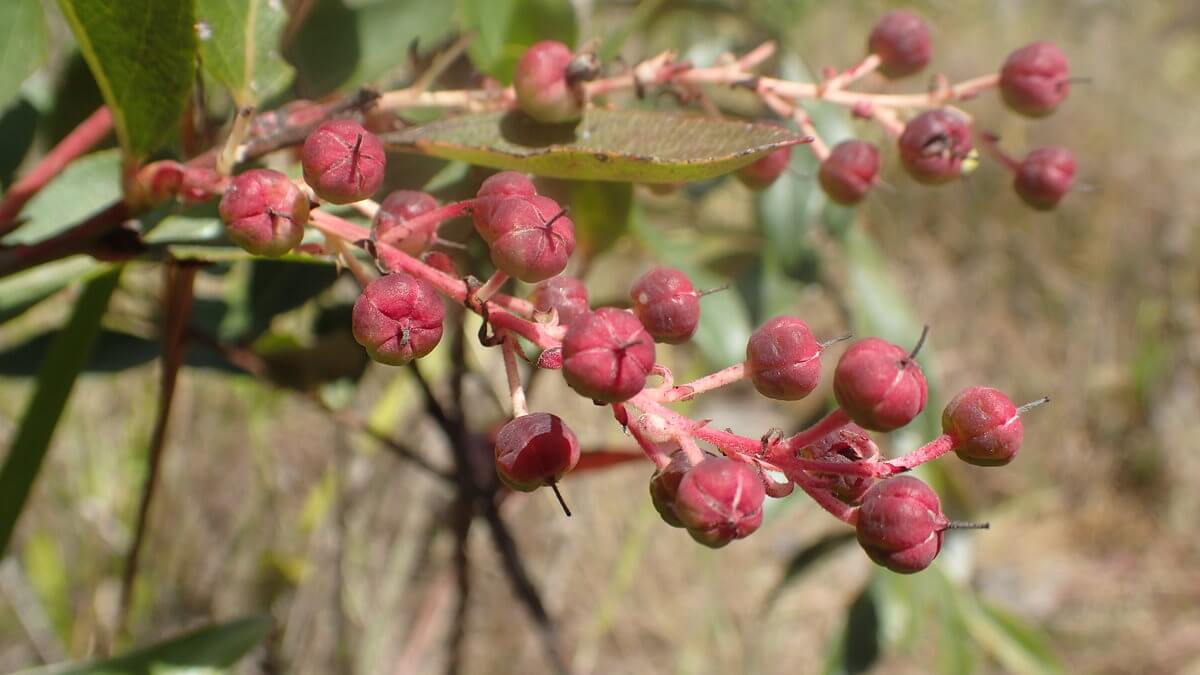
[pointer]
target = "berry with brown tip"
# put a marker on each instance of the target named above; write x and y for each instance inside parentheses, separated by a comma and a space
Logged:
(849, 172)
(544, 89)
(901, 41)
(530, 238)
(934, 146)
(565, 295)
(879, 385)
(900, 524)
(664, 485)
(398, 318)
(535, 450)
(720, 500)
(1035, 79)
(984, 425)
(783, 359)
(343, 162)
(667, 304)
(762, 172)
(1045, 176)
(607, 355)
(399, 207)
(845, 446)
(264, 212)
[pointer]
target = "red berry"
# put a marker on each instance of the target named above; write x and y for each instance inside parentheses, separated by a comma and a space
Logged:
(934, 145)
(666, 304)
(607, 355)
(900, 524)
(543, 89)
(1045, 176)
(343, 162)
(783, 359)
(1035, 79)
(398, 208)
(849, 171)
(506, 184)
(535, 450)
(759, 174)
(264, 212)
(531, 238)
(844, 446)
(565, 295)
(985, 425)
(901, 41)
(720, 500)
(664, 485)
(398, 318)
(879, 385)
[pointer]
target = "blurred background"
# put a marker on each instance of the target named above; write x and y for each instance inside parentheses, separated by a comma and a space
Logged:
(266, 505)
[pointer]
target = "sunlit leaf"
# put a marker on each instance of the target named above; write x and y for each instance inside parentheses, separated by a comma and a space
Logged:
(505, 28)
(86, 186)
(23, 39)
(239, 46)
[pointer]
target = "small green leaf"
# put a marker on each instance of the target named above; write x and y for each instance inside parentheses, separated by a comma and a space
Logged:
(23, 39)
(505, 28)
(239, 47)
(86, 186)
(142, 54)
(624, 145)
(601, 212)
(217, 646)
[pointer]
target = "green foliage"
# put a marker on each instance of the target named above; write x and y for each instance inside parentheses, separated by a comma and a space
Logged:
(23, 40)
(504, 28)
(24, 290)
(240, 47)
(602, 212)
(88, 184)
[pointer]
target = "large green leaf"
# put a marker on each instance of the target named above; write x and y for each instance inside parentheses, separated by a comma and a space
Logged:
(601, 212)
(56, 377)
(142, 54)
(23, 39)
(217, 646)
(240, 47)
(625, 145)
(505, 28)
(25, 289)
(86, 186)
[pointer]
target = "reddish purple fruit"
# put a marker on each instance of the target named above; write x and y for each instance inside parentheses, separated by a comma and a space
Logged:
(845, 446)
(531, 238)
(535, 450)
(900, 524)
(667, 305)
(544, 90)
(879, 385)
(398, 318)
(985, 425)
(849, 171)
(264, 212)
(607, 355)
(783, 359)
(343, 162)
(506, 184)
(1035, 79)
(901, 41)
(1045, 176)
(664, 485)
(396, 210)
(565, 295)
(762, 172)
(720, 500)
(934, 145)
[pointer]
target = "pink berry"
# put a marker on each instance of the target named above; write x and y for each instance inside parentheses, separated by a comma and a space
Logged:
(565, 295)
(1035, 79)
(846, 445)
(985, 425)
(396, 210)
(900, 524)
(720, 500)
(762, 172)
(398, 318)
(664, 485)
(530, 238)
(343, 162)
(783, 359)
(879, 385)
(934, 145)
(849, 171)
(1045, 176)
(666, 304)
(544, 90)
(506, 184)
(901, 41)
(264, 212)
(607, 355)
(535, 450)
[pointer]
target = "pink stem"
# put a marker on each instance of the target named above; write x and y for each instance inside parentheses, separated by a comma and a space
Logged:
(853, 73)
(429, 218)
(515, 389)
(823, 497)
(828, 424)
(989, 141)
(686, 392)
(491, 287)
(652, 450)
(926, 453)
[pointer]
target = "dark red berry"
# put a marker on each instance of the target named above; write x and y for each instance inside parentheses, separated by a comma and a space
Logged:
(398, 318)
(720, 500)
(759, 174)
(900, 524)
(1045, 176)
(264, 212)
(664, 485)
(565, 295)
(607, 355)
(985, 425)
(879, 385)
(542, 85)
(535, 450)
(531, 238)
(666, 304)
(783, 359)
(506, 184)
(934, 145)
(849, 171)
(1035, 79)
(396, 210)
(343, 162)
(901, 41)
(844, 446)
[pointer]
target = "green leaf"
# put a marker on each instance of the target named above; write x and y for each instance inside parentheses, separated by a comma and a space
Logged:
(86, 186)
(618, 145)
(860, 643)
(601, 212)
(217, 646)
(1020, 648)
(18, 126)
(25, 289)
(112, 352)
(23, 40)
(240, 47)
(142, 54)
(505, 28)
(56, 378)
